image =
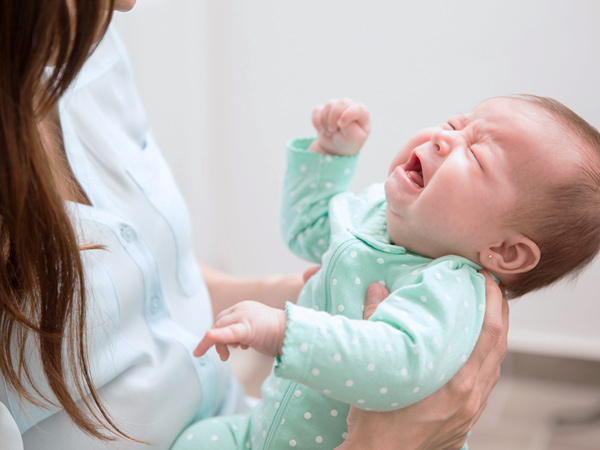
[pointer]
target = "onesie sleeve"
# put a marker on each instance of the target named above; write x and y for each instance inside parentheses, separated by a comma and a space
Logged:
(311, 180)
(417, 340)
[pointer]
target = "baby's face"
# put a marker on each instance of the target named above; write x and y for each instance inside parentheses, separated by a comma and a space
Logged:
(450, 187)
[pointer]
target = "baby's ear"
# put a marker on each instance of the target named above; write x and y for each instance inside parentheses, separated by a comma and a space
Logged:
(517, 254)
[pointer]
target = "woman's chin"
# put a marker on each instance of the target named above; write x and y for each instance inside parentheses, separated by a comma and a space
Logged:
(124, 5)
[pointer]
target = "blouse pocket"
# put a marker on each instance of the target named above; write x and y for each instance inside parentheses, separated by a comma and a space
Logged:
(151, 173)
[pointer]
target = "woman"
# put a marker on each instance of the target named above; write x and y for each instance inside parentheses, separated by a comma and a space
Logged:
(102, 300)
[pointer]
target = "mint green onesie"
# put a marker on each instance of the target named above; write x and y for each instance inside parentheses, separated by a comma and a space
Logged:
(417, 339)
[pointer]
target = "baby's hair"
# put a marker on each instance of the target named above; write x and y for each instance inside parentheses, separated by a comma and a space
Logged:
(565, 221)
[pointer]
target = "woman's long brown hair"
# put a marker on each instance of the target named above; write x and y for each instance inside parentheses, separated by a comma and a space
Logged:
(42, 293)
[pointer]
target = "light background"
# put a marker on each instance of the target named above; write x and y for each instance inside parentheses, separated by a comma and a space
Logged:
(227, 82)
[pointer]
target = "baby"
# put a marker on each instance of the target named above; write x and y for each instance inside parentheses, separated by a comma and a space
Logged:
(513, 188)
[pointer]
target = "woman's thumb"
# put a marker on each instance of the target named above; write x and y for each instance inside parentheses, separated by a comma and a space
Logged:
(376, 293)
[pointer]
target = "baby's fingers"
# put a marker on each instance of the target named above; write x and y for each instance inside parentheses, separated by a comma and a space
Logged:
(236, 333)
(223, 351)
(203, 346)
(356, 113)
(338, 108)
(325, 117)
(317, 119)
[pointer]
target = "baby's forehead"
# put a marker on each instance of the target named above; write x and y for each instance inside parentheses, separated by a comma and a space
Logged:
(530, 138)
(514, 119)
(506, 108)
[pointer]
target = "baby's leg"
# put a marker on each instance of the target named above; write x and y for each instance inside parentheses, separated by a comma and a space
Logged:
(220, 433)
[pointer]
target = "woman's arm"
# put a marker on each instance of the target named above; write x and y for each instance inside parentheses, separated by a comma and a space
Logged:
(273, 290)
(442, 420)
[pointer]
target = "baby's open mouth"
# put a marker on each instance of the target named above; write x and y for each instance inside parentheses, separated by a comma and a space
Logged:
(413, 171)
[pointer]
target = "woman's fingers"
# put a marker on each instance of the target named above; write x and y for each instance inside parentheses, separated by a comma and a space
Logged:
(493, 327)
(476, 379)
(310, 272)
(376, 293)
(490, 369)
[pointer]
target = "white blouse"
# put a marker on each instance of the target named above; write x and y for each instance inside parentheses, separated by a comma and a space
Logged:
(149, 305)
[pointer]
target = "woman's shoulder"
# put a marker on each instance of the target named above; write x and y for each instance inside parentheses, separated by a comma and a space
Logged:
(109, 53)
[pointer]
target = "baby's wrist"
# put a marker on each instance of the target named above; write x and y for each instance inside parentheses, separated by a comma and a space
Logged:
(316, 147)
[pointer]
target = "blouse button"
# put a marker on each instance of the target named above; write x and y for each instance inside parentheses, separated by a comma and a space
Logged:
(127, 233)
(154, 304)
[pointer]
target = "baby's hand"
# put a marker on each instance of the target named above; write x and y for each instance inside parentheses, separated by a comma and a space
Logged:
(246, 324)
(343, 127)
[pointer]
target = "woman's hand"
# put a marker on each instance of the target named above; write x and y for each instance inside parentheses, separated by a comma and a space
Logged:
(442, 420)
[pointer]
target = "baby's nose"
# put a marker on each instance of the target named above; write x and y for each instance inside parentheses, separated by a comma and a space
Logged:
(443, 141)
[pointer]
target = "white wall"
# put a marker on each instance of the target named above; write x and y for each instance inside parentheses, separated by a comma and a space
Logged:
(228, 82)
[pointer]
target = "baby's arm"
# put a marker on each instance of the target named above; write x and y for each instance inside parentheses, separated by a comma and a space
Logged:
(442, 420)
(413, 344)
(317, 170)
(416, 340)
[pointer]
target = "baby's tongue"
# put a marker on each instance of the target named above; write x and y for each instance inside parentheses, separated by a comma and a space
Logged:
(415, 177)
